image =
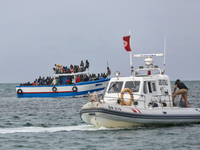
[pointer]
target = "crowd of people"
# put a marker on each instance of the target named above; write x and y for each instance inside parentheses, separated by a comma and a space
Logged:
(69, 80)
(62, 80)
(59, 69)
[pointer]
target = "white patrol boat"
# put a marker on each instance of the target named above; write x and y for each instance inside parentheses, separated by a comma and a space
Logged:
(69, 90)
(141, 99)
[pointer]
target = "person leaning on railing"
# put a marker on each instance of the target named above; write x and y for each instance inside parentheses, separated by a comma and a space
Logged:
(183, 90)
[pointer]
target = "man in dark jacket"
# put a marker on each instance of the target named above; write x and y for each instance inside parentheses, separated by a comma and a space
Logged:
(183, 90)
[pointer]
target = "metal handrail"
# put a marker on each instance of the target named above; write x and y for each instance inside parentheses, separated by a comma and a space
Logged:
(170, 100)
(145, 99)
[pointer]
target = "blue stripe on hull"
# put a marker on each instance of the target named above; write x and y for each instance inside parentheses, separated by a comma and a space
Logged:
(67, 94)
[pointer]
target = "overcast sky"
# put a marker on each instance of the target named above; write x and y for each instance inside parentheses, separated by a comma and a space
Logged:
(36, 34)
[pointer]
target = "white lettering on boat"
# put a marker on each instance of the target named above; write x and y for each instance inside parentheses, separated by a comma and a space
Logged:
(163, 82)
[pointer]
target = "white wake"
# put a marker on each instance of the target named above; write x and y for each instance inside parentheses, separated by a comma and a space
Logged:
(50, 129)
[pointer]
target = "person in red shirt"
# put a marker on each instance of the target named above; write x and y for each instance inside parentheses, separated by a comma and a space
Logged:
(68, 81)
(78, 80)
(34, 83)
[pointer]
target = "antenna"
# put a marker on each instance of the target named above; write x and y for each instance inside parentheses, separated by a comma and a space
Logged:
(164, 54)
(148, 58)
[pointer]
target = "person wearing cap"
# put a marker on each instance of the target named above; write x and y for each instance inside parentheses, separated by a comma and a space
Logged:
(183, 90)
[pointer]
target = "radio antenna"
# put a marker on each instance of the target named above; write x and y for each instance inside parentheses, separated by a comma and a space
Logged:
(164, 54)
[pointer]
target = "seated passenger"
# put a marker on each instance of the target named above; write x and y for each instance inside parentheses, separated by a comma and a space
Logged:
(78, 80)
(70, 78)
(90, 78)
(93, 77)
(43, 81)
(57, 81)
(86, 78)
(97, 78)
(34, 83)
(68, 70)
(71, 68)
(68, 81)
(53, 81)
(29, 83)
(63, 69)
(39, 79)
(60, 81)
(81, 78)
(47, 81)
(76, 68)
(101, 78)
(104, 75)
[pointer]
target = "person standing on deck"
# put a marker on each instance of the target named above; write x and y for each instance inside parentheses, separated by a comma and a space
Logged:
(183, 90)
(108, 72)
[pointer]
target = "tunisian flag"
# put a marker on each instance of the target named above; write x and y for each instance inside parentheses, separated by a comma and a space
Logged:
(126, 40)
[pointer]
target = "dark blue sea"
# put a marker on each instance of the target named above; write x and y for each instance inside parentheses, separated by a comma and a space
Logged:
(54, 123)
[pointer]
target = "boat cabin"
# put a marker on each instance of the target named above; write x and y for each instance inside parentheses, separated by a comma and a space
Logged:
(150, 89)
(65, 76)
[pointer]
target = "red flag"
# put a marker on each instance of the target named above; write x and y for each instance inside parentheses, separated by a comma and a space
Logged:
(126, 40)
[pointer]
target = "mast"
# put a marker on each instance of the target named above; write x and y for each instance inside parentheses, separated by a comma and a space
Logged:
(131, 64)
(164, 54)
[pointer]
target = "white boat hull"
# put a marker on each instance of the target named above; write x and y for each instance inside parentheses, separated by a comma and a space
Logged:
(120, 116)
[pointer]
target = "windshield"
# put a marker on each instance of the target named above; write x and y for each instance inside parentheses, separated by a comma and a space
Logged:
(115, 87)
(133, 85)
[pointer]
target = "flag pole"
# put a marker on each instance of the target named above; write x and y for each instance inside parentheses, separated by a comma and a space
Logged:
(130, 53)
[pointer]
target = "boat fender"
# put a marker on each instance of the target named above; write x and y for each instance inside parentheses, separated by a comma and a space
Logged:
(118, 101)
(135, 103)
(74, 89)
(54, 89)
(155, 105)
(19, 91)
(122, 97)
(164, 104)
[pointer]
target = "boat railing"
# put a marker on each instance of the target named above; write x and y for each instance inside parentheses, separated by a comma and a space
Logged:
(162, 99)
(58, 73)
(135, 102)
(136, 73)
(155, 100)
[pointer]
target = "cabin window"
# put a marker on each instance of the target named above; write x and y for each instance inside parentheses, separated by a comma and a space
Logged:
(133, 85)
(149, 86)
(145, 88)
(115, 87)
(154, 87)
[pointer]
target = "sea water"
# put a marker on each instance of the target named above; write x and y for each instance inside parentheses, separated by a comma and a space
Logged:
(55, 123)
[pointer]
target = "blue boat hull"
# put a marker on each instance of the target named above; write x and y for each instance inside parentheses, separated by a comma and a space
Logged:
(62, 90)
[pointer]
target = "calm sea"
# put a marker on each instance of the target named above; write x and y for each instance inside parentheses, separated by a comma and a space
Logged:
(54, 123)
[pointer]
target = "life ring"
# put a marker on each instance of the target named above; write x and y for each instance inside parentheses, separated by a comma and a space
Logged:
(54, 89)
(19, 91)
(122, 97)
(74, 89)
